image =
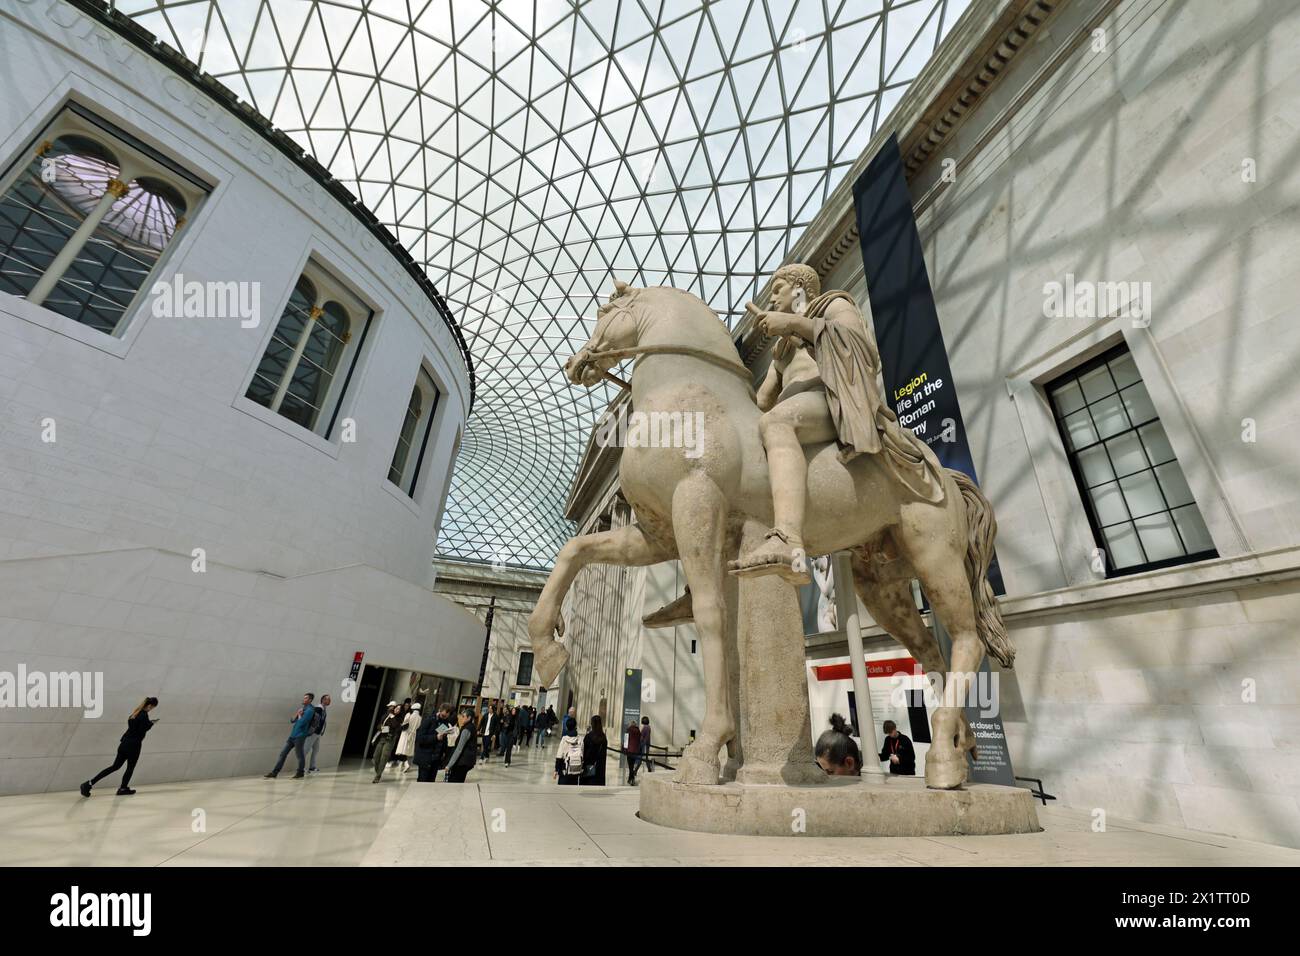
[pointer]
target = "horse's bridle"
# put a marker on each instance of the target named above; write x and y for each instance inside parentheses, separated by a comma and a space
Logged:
(620, 354)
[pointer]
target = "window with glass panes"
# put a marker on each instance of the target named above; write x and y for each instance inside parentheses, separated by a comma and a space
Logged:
(312, 353)
(85, 216)
(404, 471)
(1143, 513)
(525, 673)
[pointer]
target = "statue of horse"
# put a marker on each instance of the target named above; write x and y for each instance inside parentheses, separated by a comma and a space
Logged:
(703, 508)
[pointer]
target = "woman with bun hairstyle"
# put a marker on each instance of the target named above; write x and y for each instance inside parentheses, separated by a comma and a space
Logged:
(837, 752)
(128, 748)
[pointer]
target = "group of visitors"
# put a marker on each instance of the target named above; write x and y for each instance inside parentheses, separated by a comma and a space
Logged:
(407, 738)
(581, 762)
(503, 728)
(638, 749)
(307, 728)
(404, 737)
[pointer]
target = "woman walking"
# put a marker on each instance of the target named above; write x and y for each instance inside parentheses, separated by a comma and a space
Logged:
(128, 749)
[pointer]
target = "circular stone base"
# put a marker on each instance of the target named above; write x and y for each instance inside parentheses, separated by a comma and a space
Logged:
(871, 805)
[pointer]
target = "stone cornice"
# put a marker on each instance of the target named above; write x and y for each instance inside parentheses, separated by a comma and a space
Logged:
(452, 576)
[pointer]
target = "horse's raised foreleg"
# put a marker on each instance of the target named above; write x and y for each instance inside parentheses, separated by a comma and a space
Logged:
(699, 523)
(627, 546)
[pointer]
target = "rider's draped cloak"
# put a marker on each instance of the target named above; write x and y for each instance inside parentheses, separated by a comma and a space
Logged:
(849, 364)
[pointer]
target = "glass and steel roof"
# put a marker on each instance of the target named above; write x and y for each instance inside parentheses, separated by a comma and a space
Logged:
(529, 152)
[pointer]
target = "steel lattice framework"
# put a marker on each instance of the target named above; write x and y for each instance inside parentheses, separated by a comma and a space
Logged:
(528, 152)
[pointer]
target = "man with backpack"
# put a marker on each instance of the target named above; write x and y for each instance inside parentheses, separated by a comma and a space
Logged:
(315, 732)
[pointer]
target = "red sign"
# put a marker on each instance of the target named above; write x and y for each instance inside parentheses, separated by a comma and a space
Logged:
(885, 668)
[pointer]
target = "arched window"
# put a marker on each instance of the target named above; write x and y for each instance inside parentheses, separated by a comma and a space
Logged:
(85, 220)
(416, 426)
(298, 376)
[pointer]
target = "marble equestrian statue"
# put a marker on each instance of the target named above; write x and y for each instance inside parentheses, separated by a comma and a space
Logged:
(845, 475)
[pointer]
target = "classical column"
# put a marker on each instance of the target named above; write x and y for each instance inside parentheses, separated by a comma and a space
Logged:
(115, 190)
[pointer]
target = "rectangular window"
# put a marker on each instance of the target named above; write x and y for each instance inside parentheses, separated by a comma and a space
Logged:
(525, 673)
(86, 213)
(413, 438)
(312, 353)
(1142, 511)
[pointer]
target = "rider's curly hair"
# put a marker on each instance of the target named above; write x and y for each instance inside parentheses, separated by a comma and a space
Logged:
(805, 277)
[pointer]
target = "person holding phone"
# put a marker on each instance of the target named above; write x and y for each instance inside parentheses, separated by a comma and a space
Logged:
(128, 748)
(465, 752)
(299, 732)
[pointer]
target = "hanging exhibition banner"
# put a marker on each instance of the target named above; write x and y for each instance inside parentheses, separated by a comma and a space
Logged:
(917, 377)
(631, 702)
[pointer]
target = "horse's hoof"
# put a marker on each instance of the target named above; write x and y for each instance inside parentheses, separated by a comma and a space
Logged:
(945, 774)
(548, 661)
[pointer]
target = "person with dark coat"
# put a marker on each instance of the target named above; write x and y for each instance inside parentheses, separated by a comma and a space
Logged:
(646, 759)
(898, 751)
(633, 751)
(509, 733)
(128, 748)
(431, 744)
(463, 753)
(524, 731)
(385, 738)
(594, 749)
(542, 726)
(487, 728)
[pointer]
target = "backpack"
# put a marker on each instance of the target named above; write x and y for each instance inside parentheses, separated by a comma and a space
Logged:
(573, 760)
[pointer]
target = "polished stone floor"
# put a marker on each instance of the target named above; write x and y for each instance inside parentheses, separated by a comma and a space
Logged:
(508, 816)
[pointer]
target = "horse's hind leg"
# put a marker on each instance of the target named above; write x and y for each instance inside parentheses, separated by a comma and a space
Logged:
(933, 539)
(890, 603)
(700, 524)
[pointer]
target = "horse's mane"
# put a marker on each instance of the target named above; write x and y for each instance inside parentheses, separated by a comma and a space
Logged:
(694, 299)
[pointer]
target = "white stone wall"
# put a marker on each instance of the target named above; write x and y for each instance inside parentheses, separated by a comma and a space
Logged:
(156, 444)
(311, 553)
(228, 653)
(1124, 163)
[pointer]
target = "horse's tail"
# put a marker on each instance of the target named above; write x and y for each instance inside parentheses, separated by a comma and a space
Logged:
(983, 528)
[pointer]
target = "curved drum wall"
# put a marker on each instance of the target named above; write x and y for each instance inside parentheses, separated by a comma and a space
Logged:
(311, 552)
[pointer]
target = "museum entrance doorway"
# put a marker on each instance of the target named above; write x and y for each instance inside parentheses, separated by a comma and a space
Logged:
(365, 712)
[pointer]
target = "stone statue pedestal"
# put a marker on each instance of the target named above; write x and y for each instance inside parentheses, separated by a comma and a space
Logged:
(871, 805)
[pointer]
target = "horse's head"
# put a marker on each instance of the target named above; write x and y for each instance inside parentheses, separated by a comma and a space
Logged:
(618, 326)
